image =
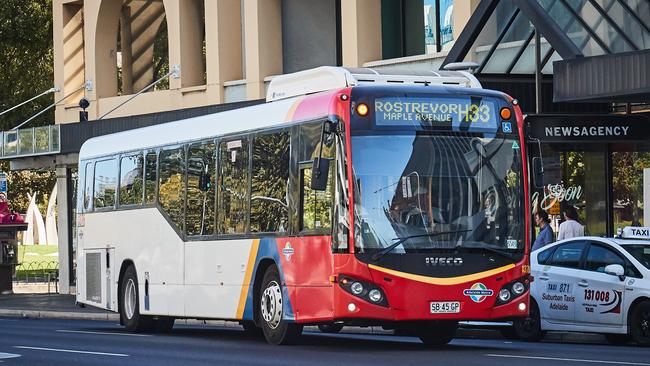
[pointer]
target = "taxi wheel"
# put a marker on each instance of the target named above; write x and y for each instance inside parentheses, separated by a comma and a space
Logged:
(617, 339)
(529, 329)
(270, 311)
(640, 323)
(437, 333)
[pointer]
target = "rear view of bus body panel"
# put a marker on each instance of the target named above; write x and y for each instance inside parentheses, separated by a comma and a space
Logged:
(143, 237)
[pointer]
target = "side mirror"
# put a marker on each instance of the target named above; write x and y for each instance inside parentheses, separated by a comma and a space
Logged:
(615, 270)
(538, 173)
(319, 174)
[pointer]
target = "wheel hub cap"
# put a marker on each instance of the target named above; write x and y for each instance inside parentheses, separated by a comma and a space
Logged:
(130, 299)
(271, 304)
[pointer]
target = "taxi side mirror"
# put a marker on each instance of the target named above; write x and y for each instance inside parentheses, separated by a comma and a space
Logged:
(616, 270)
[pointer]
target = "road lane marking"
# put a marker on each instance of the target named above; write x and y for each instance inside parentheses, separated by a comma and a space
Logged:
(72, 351)
(4, 356)
(103, 333)
(570, 360)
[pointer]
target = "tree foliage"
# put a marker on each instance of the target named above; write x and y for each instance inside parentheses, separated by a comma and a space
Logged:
(26, 61)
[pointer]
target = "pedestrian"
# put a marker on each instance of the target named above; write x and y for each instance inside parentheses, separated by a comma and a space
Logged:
(570, 228)
(545, 235)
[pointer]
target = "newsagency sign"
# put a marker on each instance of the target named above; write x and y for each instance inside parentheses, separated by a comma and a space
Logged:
(595, 128)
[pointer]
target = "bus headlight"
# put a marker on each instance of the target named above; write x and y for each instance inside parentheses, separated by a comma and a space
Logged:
(356, 288)
(364, 290)
(518, 288)
(504, 295)
(374, 295)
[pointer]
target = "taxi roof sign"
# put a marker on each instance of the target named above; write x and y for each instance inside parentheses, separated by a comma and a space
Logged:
(636, 232)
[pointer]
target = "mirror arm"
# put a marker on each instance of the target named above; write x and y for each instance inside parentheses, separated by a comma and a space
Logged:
(320, 151)
(539, 150)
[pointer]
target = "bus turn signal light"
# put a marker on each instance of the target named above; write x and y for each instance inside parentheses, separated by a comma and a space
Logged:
(362, 109)
(505, 113)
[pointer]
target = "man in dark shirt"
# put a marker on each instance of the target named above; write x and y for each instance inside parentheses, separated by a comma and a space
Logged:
(545, 235)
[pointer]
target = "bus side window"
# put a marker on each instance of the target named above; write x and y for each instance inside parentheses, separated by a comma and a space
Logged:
(105, 186)
(88, 187)
(269, 183)
(171, 186)
(131, 180)
(316, 206)
(200, 189)
(150, 177)
(233, 187)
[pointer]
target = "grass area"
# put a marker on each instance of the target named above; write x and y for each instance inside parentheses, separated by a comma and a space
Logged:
(36, 261)
(37, 253)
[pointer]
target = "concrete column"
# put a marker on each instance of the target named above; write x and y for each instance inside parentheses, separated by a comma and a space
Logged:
(223, 31)
(64, 209)
(263, 43)
(463, 10)
(191, 37)
(360, 31)
(646, 197)
(68, 51)
(127, 57)
(146, 18)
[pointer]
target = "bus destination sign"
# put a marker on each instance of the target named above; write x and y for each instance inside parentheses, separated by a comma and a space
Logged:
(458, 113)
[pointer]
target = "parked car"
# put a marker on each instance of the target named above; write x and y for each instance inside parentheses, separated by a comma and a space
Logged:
(591, 284)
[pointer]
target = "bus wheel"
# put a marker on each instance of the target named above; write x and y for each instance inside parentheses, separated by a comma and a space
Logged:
(330, 328)
(640, 324)
(130, 305)
(529, 329)
(437, 333)
(276, 329)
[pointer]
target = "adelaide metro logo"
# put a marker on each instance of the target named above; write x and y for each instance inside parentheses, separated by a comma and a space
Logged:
(478, 292)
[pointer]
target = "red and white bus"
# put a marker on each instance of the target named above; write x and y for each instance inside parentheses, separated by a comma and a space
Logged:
(349, 198)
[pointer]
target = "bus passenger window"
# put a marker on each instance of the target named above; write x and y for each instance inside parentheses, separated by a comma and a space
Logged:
(105, 183)
(150, 177)
(233, 187)
(88, 186)
(316, 206)
(269, 183)
(131, 180)
(199, 218)
(171, 188)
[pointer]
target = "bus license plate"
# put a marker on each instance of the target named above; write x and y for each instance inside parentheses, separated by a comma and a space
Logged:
(445, 307)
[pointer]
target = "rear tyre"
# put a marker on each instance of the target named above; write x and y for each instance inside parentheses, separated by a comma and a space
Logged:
(640, 323)
(270, 311)
(617, 339)
(529, 329)
(437, 333)
(130, 305)
(330, 328)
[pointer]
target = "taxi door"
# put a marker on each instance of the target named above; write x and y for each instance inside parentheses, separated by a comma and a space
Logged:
(556, 291)
(601, 295)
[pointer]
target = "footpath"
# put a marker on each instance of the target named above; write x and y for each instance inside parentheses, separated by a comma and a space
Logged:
(58, 306)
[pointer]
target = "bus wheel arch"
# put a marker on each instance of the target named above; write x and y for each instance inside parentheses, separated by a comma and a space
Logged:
(264, 264)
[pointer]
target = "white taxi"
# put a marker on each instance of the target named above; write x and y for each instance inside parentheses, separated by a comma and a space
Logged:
(591, 284)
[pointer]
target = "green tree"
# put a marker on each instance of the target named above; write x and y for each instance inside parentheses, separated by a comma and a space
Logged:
(26, 61)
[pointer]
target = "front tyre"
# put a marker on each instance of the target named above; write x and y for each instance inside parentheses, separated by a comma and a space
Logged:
(640, 324)
(437, 333)
(270, 311)
(529, 329)
(130, 305)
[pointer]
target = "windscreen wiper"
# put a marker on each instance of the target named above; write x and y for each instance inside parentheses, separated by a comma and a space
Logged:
(390, 248)
(490, 249)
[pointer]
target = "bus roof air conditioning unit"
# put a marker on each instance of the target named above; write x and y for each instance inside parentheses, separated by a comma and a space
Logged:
(329, 78)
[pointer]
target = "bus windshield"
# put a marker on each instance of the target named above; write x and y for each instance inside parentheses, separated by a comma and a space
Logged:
(437, 189)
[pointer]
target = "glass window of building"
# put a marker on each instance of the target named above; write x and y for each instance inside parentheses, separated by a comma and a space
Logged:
(105, 183)
(269, 183)
(171, 187)
(233, 183)
(630, 170)
(150, 177)
(200, 189)
(131, 180)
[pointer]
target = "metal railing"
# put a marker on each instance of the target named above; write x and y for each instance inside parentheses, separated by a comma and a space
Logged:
(32, 141)
(43, 272)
